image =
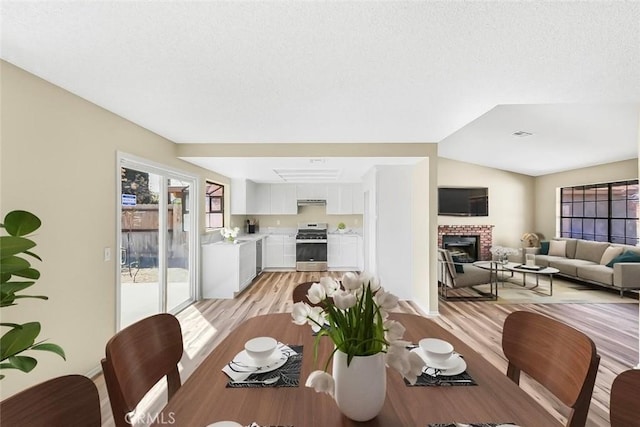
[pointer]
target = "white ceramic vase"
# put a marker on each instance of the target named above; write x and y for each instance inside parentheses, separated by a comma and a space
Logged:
(361, 387)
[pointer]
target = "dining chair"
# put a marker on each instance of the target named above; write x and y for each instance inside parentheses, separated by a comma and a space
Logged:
(623, 405)
(559, 357)
(70, 400)
(300, 293)
(453, 275)
(137, 358)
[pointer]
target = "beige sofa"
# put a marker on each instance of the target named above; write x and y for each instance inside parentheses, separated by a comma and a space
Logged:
(584, 261)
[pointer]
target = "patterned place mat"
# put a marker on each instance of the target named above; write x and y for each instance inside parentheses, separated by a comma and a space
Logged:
(426, 380)
(472, 425)
(289, 373)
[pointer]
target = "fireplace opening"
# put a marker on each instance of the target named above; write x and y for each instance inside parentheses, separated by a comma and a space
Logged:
(463, 248)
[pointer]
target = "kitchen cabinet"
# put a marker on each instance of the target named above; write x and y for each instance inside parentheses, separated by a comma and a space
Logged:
(345, 199)
(283, 199)
(280, 251)
(344, 251)
(227, 268)
(311, 191)
(262, 200)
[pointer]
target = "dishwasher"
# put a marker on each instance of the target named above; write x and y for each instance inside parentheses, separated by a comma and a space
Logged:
(258, 257)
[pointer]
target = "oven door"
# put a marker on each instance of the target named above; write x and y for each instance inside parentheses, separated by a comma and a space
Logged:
(311, 251)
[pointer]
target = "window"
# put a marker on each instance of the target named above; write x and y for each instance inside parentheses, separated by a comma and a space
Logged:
(214, 205)
(602, 212)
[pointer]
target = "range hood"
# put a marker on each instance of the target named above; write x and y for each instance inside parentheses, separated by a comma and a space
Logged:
(312, 202)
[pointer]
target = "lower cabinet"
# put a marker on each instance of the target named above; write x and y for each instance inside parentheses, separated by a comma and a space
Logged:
(344, 251)
(281, 251)
(227, 268)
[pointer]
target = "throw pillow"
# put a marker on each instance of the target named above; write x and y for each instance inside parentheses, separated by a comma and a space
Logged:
(459, 267)
(609, 254)
(558, 248)
(627, 256)
(544, 248)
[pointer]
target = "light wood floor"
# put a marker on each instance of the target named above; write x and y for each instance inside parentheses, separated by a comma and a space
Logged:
(613, 328)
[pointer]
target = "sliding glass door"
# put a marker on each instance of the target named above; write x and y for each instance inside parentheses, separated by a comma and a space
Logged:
(157, 244)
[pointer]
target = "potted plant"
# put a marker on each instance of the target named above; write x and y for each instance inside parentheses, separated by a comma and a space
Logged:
(342, 227)
(16, 275)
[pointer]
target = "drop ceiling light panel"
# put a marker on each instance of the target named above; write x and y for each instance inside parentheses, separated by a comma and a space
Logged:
(308, 175)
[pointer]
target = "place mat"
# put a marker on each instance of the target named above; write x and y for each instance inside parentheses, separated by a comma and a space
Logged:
(426, 380)
(471, 425)
(289, 373)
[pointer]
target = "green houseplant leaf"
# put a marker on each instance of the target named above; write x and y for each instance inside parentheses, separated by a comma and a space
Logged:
(19, 338)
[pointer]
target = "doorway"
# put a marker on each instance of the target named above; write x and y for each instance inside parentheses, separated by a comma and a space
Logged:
(157, 239)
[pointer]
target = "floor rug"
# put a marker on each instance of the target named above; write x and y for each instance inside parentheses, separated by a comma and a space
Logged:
(510, 291)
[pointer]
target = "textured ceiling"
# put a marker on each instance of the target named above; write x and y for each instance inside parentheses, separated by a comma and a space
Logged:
(463, 74)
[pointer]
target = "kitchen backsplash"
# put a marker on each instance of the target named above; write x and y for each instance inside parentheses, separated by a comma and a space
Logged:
(305, 214)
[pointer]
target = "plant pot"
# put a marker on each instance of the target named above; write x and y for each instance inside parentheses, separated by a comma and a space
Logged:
(361, 387)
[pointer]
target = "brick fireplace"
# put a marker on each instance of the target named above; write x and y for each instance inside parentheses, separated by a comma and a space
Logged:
(484, 233)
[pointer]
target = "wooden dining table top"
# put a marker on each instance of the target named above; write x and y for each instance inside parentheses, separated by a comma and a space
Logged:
(204, 399)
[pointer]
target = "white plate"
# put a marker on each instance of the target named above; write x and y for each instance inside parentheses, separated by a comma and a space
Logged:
(225, 424)
(243, 360)
(455, 365)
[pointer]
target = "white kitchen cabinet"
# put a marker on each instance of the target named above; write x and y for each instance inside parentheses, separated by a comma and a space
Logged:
(262, 200)
(227, 268)
(274, 251)
(283, 199)
(244, 195)
(344, 251)
(311, 191)
(289, 249)
(345, 199)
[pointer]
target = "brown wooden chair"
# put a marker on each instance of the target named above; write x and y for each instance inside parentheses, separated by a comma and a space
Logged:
(623, 406)
(70, 400)
(137, 358)
(561, 358)
(300, 293)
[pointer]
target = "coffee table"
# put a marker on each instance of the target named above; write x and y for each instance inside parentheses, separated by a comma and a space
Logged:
(496, 267)
(545, 271)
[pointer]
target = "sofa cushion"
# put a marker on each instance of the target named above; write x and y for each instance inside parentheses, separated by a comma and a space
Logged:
(571, 246)
(610, 253)
(596, 273)
(544, 248)
(558, 248)
(472, 276)
(568, 266)
(590, 251)
(626, 256)
(457, 260)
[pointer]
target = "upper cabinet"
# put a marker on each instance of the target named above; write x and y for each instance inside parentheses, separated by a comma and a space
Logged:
(345, 199)
(311, 191)
(283, 199)
(250, 198)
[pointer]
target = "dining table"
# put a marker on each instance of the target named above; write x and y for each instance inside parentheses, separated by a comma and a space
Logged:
(204, 398)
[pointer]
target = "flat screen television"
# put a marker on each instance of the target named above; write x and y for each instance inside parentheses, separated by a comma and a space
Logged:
(463, 201)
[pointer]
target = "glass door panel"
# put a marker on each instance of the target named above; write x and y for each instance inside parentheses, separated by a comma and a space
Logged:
(179, 269)
(140, 274)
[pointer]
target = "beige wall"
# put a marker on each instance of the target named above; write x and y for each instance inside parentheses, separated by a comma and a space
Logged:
(59, 161)
(305, 214)
(546, 188)
(511, 199)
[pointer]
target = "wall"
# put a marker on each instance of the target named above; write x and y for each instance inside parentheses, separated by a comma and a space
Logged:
(59, 161)
(511, 199)
(546, 188)
(305, 214)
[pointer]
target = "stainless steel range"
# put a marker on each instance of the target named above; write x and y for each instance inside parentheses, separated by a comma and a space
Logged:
(311, 247)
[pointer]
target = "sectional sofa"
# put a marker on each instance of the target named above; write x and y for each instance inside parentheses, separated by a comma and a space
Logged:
(600, 263)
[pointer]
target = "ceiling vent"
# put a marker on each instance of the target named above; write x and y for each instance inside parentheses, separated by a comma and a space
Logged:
(308, 175)
(522, 134)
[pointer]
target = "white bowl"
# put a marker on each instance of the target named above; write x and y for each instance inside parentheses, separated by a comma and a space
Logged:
(225, 424)
(436, 350)
(260, 348)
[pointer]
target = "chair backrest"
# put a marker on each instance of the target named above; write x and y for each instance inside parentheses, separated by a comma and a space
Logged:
(139, 356)
(447, 265)
(300, 293)
(70, 400)
(561, 358)
(623, 406)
